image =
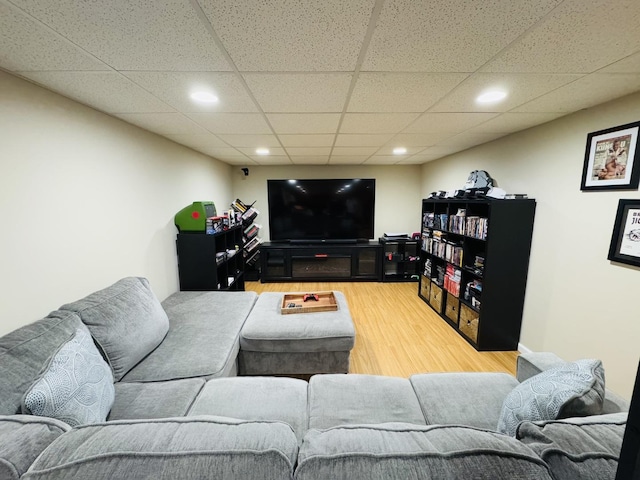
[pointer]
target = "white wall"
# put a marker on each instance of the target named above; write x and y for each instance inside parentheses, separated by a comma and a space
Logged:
(397, 191)
(86, 199)
(578, 304)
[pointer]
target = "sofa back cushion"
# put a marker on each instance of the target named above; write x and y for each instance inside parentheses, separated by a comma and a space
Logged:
(169, 449)
(585, 448)
(413, 452)
(26, 351)
(126, 320)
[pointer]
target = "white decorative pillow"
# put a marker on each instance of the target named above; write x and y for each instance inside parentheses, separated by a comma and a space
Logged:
(76, 387)
(568, 390)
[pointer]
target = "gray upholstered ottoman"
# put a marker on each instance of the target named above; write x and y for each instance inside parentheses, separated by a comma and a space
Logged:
(295, 344)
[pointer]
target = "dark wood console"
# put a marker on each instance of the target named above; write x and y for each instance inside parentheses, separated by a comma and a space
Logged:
(282, 262)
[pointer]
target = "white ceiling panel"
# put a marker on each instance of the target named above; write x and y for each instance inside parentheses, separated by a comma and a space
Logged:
(382, 160)
(520, 89)
(273, 160)
(590, 90)
(368, 123)
(468, 140)
(355, 140)
(308, 151)
(239, 161)
(304, 122)
(577, 37)
(175, 89)
(204, 140)
(300, 92)
(163, 123)
(307, 140)
(418, 139)
(401, 92)
(260, 35)
(250, 141)
(134, 35)
(447, 122)
(28, 45)
(351, 151)
(232, 123)
(347, 159)
(221, 152)
(310, 159)
(513, 122)
(448, 35)
(630, 64)
(106, 91)
(388, 149)
(273, 152)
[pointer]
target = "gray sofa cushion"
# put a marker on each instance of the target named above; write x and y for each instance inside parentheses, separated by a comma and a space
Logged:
(24, 353)
(361, 399)
(567, 390)
(24, 437)
(412, 452)
(76, 386)
(203, 340)
(256, 398)
(267, 330)
(169, 449)
(154, 399)
(125, 319)
(578, 448)
(471, 399)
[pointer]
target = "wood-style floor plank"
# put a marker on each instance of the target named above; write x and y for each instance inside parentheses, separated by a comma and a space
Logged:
(397, 334)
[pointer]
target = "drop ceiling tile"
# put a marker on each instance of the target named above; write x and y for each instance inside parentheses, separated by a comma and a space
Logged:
(27, 45)
(447, 35)
(382, 160)
(272, 160)
(577, 37)
(630, 64)
(363, 140)
(590, 90)
(239, 161)
(520, 89)
(175, 87)
(401, 92)
(106, 91)
(220, 152)
(421, 158)
(273, 151)
(325, 140)
(465, 140)
(308, 151)
(376, 122)
(299, 92)
(442, 149)
(292, 123)
(231, 123)
(513, 122)
(163, 123)
(417, 139)
(134, 35)
(347, 159)
(350, 151)
(310, 160)
(259, 35)
(447, 122)
(204, 140)
(250, 141)
(388, 150)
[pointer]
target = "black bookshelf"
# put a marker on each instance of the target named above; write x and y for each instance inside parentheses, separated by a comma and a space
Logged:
(473, 267)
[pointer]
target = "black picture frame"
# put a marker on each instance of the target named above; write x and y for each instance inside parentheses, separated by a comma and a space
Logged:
(625, 240)
(611, 167)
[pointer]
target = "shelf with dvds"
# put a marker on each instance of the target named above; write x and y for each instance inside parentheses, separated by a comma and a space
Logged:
(474, 259)
(250, 238)
(400, 259)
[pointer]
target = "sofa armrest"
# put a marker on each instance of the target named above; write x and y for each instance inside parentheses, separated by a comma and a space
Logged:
(533, 363)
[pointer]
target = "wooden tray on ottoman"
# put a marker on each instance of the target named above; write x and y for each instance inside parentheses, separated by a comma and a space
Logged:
(325, 303)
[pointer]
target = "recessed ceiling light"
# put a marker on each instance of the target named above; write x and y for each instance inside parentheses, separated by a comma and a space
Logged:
(399, 151)
(204, 97)
(262, 151)
(491, 96)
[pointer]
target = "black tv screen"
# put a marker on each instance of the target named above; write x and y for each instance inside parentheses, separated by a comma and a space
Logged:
(321, 209)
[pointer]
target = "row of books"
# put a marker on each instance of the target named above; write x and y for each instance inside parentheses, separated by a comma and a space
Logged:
(452, 279)
(477, 227)
(450, 251)
(439, 221)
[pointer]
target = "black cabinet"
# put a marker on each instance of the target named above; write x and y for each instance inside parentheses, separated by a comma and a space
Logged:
(400, 259)
(211, 262)
(320, 262)
(474, 261)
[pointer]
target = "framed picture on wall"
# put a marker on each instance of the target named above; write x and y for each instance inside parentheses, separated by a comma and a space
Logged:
(611, 160)
(625, 241)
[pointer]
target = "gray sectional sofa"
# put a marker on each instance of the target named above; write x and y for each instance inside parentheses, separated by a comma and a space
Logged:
(162, 399)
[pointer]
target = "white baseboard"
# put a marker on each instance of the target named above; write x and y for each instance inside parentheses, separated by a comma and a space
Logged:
(523, 349)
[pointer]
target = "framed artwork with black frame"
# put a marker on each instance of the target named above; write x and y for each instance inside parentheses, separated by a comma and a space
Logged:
(625, 241)
(611, 159)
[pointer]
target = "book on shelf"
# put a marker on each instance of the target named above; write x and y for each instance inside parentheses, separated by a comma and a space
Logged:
(239, 205)
(251, 231)
(477, 227)
(250, 214)
(427, 219)
(453, 253)
(473, 293)
(427, 268)
(457, 222)
(253, 244)
(440, 274)
(441, 221)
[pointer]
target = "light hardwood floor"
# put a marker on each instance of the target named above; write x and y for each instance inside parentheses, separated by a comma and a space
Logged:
(398, 334)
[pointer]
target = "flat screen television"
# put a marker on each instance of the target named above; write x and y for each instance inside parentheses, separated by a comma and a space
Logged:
(321, 209)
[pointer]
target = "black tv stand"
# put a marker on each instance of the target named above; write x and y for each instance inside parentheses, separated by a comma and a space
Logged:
(323, 261)
(347, 241)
